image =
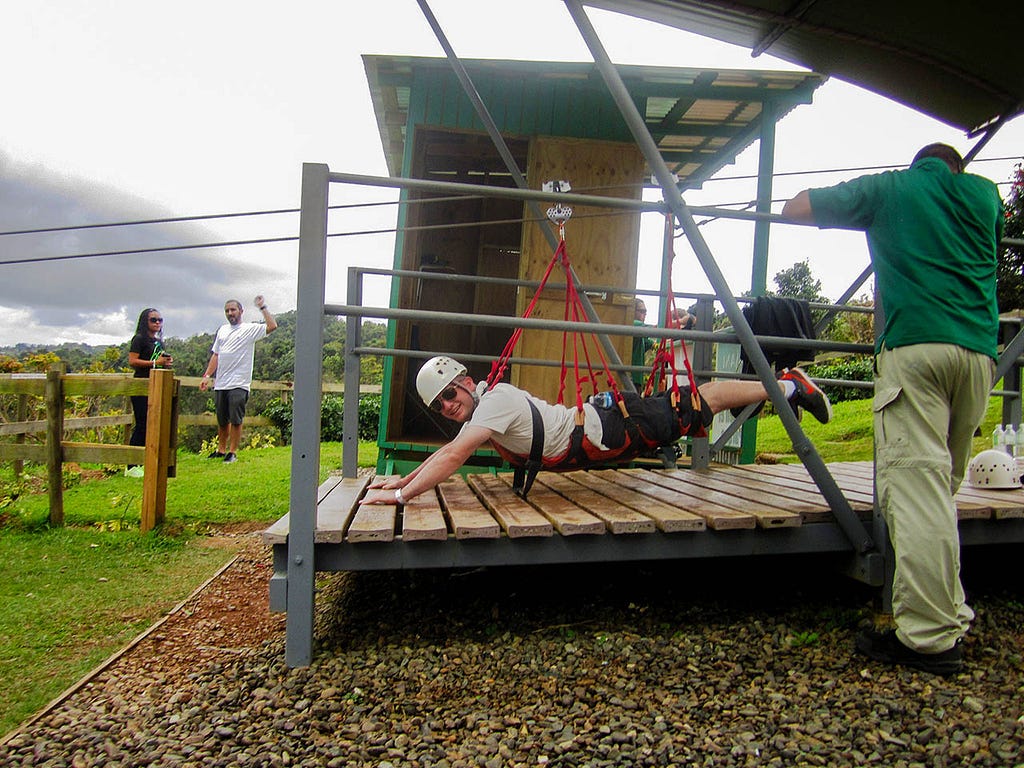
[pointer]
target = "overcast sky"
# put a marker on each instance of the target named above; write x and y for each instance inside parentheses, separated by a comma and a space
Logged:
(122, 110)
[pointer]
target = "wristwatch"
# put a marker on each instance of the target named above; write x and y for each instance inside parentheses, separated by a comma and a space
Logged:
(398, 496)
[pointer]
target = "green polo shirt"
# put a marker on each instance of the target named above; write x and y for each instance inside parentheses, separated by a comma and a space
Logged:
(932, 235)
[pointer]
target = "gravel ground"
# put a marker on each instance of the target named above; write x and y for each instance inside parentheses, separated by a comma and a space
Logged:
(721, 663)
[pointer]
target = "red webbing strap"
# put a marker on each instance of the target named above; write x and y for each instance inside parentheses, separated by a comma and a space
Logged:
(500, 365)
(664, 357)
(574, 312)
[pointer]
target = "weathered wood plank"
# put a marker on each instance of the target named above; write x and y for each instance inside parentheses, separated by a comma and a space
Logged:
(756, 503)
(373, 522)
(666, 518)
(567, 518)
(810, 505)
(336, 508)
(422, 519)
(790, 474)
(716, 516)
(1005, 504)
(278, 532)
(516, 517)
(469, 518)
(616, 517)
(23, 452)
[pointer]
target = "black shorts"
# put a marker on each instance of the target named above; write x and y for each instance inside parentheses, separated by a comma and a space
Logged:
(655, 418)
(230, 404)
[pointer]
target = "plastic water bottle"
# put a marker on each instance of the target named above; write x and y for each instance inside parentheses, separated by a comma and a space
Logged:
(1019, 447)
(1010, 440)
(998, 437)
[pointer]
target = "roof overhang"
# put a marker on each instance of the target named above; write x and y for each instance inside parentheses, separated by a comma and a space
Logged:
(699, 118)
(959, 63)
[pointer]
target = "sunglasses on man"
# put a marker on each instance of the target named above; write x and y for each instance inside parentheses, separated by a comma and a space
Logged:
(449, 393)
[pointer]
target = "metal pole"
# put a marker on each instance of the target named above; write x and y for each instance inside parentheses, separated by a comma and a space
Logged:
(847, 519)
(306, 414)
(353, 339)
(517, 176)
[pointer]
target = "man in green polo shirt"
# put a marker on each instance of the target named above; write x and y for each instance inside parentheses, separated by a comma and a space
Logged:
(932, 232)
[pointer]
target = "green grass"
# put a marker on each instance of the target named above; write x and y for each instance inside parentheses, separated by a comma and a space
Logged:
(848, 436)
(70, 597)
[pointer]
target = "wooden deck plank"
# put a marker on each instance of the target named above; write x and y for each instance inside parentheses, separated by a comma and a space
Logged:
(666, 518)
(767, 510)
(469, 518)
(861, 474)
(809, 504)
(422, 519)
(516, 517)
(787, 474)
(336, 502)
(1005, 504)
(617, 518)
(373, 522)
(568, 518)
(716, 516)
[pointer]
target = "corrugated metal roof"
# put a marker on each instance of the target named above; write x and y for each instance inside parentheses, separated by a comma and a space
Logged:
(700, 118)
(958, 62)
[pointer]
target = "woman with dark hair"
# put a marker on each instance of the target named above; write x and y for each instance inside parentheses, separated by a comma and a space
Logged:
(145, 353)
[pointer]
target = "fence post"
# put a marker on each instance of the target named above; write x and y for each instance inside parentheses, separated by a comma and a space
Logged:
(158, 448)
(19, 439)
(54, 434)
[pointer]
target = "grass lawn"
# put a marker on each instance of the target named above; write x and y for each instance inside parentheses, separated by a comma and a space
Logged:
(71, 597)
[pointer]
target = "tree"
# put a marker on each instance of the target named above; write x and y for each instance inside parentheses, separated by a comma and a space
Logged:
(1010, 268)
(797, 282)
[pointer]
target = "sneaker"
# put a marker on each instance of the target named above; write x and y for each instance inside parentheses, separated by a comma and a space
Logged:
(886, 648)
(808, 395)
(230, 458)
(134, 472)
(217, 455)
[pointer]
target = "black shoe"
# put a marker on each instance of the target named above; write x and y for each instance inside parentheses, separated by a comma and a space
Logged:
(217, 455)
(886, 648)
(808, 395)
(230, 458)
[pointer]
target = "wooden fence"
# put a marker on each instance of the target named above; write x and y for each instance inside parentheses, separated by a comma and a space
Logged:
(158, 457)
(163, 421)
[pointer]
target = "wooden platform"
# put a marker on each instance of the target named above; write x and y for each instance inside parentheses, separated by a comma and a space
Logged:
(613, 503)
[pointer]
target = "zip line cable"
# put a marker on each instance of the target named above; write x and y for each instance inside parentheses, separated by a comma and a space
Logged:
(274, 212)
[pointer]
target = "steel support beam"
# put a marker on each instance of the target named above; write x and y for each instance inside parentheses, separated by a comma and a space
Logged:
(851, 524)
(306, 414)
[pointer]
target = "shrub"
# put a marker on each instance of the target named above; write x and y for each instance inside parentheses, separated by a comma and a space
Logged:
(332, 411)
(853, 368)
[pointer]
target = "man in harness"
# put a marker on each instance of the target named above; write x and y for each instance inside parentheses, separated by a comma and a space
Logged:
(520, 426)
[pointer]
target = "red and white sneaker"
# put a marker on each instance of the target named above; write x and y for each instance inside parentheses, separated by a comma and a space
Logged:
(807, 395)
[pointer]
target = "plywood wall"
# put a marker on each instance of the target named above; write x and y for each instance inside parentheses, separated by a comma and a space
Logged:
(602, 244)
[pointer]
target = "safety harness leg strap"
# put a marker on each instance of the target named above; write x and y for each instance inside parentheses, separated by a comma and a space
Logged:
(523, 477)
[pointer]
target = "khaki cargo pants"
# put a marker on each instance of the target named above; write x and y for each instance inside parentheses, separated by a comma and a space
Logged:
(929, 399)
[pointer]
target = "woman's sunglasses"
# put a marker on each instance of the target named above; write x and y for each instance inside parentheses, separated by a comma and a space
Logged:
(448, 393)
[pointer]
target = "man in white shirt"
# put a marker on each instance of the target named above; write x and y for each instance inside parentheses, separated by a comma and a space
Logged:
(231, 362)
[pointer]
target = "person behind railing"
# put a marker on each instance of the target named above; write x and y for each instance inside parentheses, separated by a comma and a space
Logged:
(641, 344)
(145, 353)
(231, 360)
(932, 233)
(502, 416)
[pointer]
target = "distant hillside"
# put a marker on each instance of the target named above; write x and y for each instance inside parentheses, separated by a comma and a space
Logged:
(275, 356)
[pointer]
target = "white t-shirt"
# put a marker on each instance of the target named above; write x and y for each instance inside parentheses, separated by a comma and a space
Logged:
(234, 347)
(505, 412)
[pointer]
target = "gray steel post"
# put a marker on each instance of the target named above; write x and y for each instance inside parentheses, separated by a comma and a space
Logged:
(306, 414)
(353, 339)
(847, 519)
(510, 163)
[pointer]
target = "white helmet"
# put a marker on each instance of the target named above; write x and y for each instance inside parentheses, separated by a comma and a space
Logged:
(993, 469)
(436, 374)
